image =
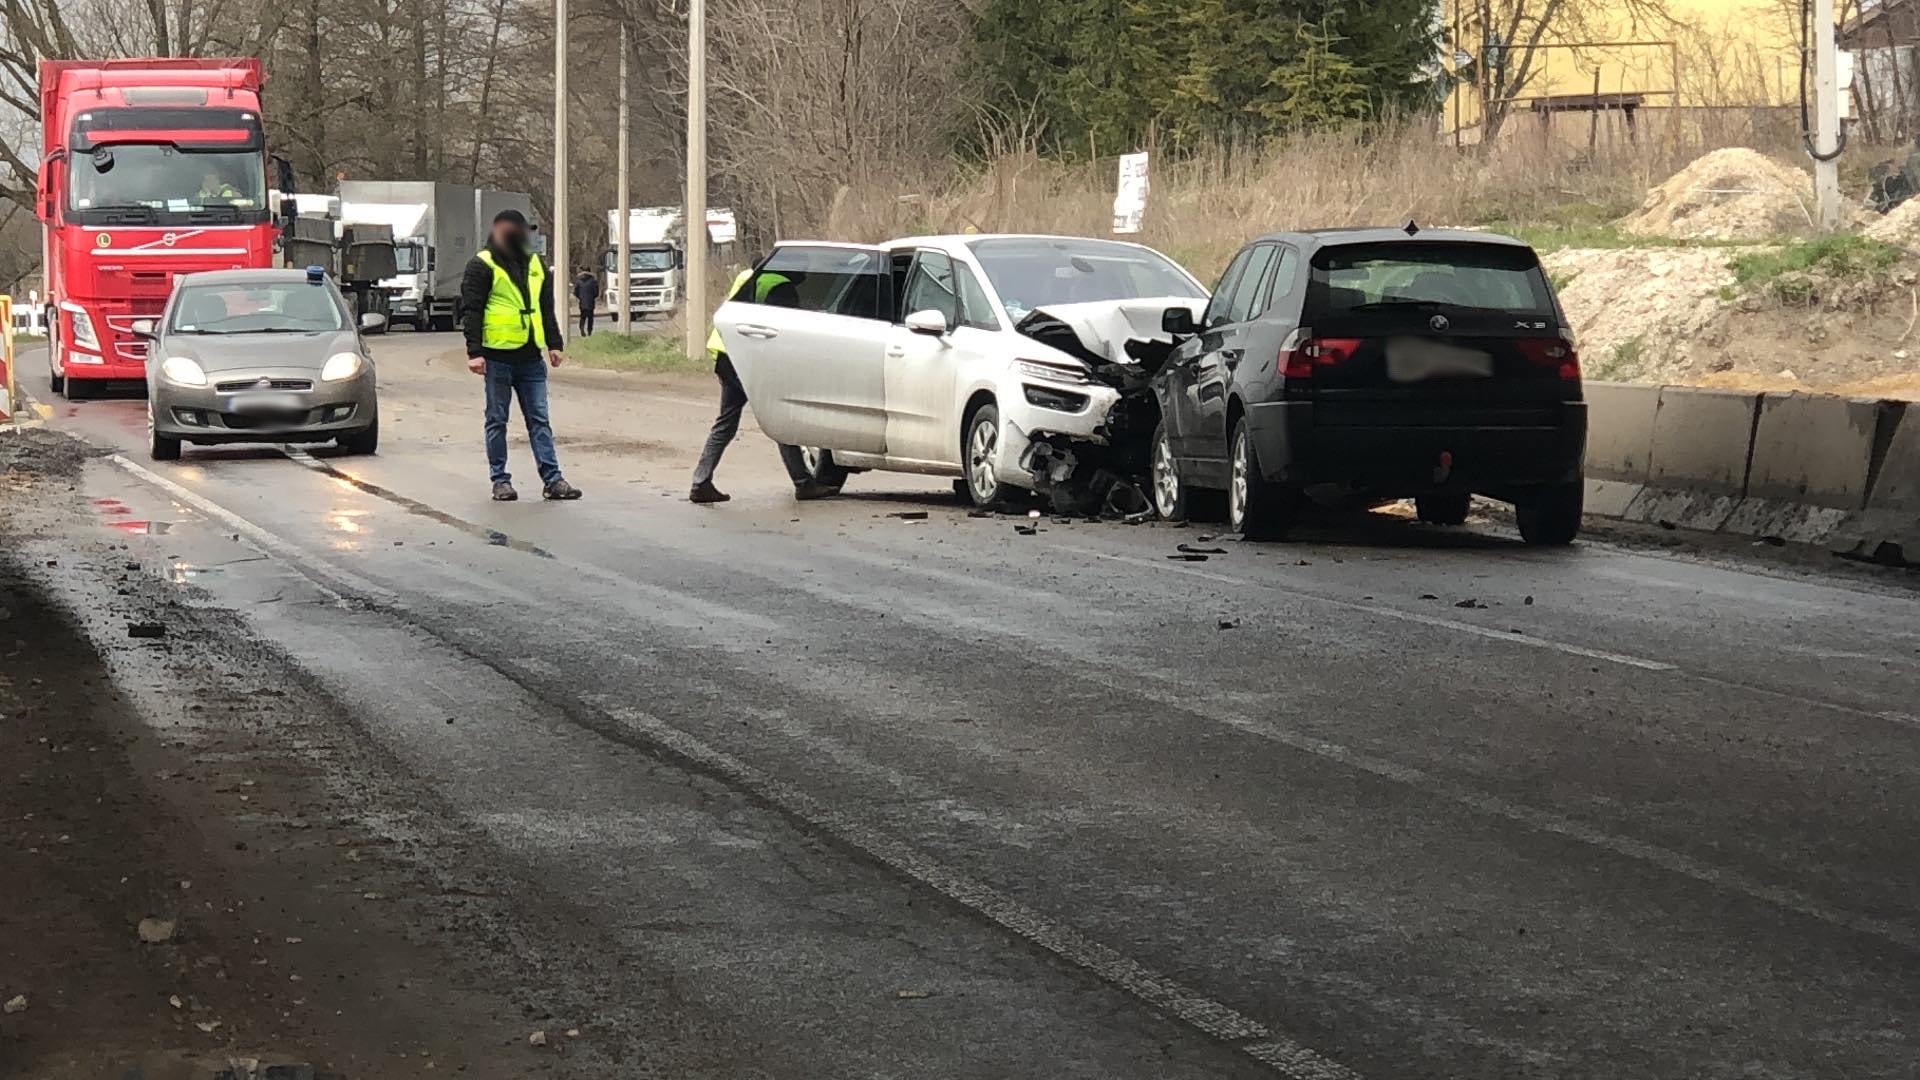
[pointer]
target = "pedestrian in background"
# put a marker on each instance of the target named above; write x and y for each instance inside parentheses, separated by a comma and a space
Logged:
(586, 290)
(733, 399)
(512, 335)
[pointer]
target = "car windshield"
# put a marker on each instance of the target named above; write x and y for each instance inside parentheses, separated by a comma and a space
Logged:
(279, 307)
(642, 261)
(1372, 277)
(161, 178)
(1032, 273)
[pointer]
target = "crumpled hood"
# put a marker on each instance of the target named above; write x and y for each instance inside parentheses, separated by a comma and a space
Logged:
(1104, 327)
(260, 352)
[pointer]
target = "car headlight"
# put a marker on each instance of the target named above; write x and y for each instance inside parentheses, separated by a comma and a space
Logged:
(1043, 369)
(342, 365)
(181, 370)
(83, 333)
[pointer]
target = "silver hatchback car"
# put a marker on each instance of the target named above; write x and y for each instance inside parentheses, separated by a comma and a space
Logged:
(259, 356)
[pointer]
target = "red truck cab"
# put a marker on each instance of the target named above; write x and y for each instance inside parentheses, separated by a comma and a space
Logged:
(149, 169)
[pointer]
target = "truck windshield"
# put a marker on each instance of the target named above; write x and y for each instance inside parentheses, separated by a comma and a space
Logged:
(275, 307)
(639, 262)
(154, 180)
(409, 259)
(1032, 272)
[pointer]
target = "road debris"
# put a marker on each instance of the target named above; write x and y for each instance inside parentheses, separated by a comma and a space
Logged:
(146, 630)
(913, 995)
(1229, 624)
(538, 1038)
(1027, 530)
(156, 931)
(15, 1004)
(1191, 550)
(1187, 556)
(1471, 603)
(909, 515)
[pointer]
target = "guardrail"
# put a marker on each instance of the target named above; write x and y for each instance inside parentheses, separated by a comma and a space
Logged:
(1805, 468)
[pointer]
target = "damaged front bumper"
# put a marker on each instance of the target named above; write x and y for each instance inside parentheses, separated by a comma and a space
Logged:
(1101, 463)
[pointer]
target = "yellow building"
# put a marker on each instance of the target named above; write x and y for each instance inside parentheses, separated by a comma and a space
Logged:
(1618, 57)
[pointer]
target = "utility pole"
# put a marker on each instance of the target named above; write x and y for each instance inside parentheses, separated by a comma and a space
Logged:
(623, 259)
(557, 229)
(1826, 119)
(696, 208)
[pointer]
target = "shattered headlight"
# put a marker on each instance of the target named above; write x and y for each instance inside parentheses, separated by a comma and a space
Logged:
(1047, 369)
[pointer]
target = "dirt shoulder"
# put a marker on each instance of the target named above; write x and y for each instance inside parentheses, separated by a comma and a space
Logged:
(184, 892)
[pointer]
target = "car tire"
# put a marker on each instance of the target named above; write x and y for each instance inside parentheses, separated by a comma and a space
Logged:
(1257, 508)
(979, 449)
(1550, 516)
(160, 447)
(821, 467)
(1449, 509)
(1169, 491)
(364, 441)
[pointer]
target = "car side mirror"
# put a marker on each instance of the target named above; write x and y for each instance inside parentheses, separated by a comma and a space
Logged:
(929, 322)
(144, 328)
(372, 320)
(1177, 322)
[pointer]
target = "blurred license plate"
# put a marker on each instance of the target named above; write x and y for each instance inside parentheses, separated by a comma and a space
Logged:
(266, 403)
(1414, 359)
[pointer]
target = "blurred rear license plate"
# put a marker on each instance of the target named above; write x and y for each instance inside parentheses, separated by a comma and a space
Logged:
(1413, 359)
(266, 403)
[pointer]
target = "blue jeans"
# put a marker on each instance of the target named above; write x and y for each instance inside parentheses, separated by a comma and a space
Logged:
(525, 378)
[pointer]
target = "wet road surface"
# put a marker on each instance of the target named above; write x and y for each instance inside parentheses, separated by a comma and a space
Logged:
(833, 792)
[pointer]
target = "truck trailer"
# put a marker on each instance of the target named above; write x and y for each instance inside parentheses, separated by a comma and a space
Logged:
(149, 169)
(436, 228)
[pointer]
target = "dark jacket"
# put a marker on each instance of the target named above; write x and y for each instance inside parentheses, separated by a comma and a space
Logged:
(586, 289)
(477, 283)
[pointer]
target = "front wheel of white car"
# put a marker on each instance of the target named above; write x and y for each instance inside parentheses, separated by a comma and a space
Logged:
(819, 465)
(1169, 494)
(980, 455)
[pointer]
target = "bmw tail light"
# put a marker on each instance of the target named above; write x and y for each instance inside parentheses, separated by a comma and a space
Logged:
(1309, 354)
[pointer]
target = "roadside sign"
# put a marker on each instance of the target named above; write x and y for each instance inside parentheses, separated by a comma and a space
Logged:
(7, 396)
(1130, 199)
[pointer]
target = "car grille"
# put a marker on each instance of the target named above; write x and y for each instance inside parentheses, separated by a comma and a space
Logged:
(237, 385)
(256, 421)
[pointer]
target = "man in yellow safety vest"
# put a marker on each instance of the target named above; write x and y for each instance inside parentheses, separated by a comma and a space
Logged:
(733, 398)
(507, 312)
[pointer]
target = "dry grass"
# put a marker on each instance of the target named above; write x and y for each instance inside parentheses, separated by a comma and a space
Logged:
(1206, 204)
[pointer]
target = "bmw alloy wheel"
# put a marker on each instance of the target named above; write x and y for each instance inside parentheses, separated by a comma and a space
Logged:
(1237, 490)
(1166, 481)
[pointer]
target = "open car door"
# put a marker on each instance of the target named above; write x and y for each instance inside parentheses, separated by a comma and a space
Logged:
(807, 334)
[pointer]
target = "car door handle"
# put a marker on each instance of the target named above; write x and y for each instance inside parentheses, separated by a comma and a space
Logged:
(752, 331)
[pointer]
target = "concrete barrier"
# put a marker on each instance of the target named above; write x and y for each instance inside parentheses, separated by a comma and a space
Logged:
(1620, 430)
(1813, 461)
(1887, 529)
(1697, 467)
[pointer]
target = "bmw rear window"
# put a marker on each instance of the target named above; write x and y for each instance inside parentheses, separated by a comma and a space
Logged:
(1363, 278)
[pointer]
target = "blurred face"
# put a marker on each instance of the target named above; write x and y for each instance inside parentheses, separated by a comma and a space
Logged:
(510, 236)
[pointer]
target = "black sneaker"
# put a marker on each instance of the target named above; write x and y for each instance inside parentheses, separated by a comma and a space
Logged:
(560, 491)
(503, 492)
(704, 492)
(809, 490)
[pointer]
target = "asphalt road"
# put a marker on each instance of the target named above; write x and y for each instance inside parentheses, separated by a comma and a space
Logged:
(821, 790)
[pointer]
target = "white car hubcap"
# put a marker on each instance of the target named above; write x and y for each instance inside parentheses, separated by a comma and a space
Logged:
(1238, 496)
(810, 456)
(980, 454)
(1166, 483)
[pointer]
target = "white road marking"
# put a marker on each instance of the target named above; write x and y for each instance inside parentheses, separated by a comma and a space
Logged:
(1191, 1007)
(1455, 625)
(326, 577)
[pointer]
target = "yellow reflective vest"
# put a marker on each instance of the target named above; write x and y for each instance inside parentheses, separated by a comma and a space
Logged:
(513, 318)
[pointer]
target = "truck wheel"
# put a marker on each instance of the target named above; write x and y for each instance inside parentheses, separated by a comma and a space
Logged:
(54, 379)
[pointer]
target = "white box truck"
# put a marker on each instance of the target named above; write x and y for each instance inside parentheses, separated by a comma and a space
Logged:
(436, 229)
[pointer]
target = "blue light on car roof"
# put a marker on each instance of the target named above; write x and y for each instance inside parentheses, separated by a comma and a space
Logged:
(316, 275)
